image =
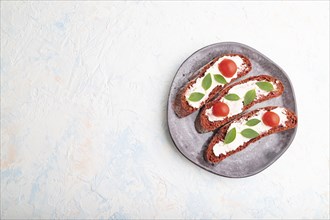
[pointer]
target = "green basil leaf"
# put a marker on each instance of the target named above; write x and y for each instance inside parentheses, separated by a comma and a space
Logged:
(249, 133)
(252, 122)
(196, 96)
(230, 136)
(207, 81)
(232, 97)
(249, 96)
(266, 86)
(220, 79)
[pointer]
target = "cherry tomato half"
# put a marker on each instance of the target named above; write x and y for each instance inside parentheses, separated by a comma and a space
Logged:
(220, 109)
(227, 67)
(271, 119)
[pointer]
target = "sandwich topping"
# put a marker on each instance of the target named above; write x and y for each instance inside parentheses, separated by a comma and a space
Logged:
(240, 96)
(220, 73)
(245, 129)
(220, 109)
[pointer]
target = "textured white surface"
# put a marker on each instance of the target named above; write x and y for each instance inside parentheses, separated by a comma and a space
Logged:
(83, 110)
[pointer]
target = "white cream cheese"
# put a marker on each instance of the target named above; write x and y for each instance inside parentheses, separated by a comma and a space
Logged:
(213, 70)
(235, 107)
(240, 125)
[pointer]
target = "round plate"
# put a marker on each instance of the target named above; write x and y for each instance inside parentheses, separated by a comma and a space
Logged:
(257, 156)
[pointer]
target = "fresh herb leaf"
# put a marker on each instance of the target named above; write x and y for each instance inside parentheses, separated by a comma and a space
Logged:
(232, 97)
(220, 79)
(196, 96)
(207, 81)
(230, 136)
(249, 133)
(249, 96)
(252, 122)
(266, 86)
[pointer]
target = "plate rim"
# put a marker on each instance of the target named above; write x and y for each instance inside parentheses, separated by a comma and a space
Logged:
(169, 104)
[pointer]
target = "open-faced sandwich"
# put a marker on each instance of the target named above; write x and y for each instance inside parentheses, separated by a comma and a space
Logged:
(234, 99)
(250, 127)
(208, 81)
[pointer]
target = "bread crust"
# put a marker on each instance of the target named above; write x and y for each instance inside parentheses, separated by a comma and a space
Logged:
(220, 135)
(202, 123)
(181, 105)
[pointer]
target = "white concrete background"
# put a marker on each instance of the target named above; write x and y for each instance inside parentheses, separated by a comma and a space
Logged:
(84, 88)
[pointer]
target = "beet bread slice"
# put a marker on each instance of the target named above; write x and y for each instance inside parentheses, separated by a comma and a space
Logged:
(208, 81)
(238, 97)
(249, 128)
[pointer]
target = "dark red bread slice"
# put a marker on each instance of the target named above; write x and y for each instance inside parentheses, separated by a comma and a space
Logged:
(181, 105)
(202, 122)
(220, 135)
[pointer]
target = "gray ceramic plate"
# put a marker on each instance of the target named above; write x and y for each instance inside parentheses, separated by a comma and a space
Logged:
(259, 155)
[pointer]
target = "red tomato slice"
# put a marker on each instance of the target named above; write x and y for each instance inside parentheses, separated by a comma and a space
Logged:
(271, 119)
(220, 109)
(227, 67)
